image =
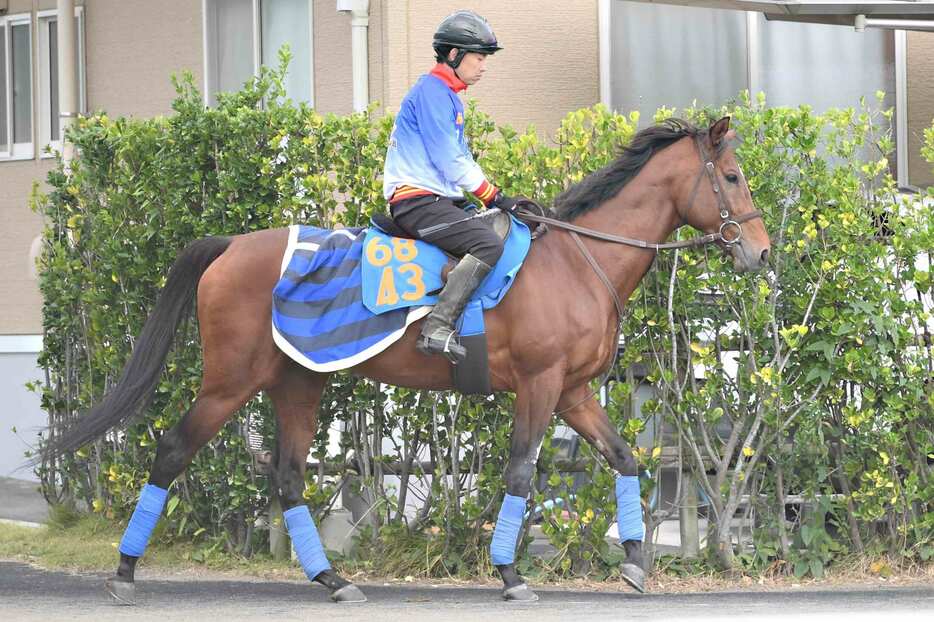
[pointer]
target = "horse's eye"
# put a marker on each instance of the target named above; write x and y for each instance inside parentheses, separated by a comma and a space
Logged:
(732, 178)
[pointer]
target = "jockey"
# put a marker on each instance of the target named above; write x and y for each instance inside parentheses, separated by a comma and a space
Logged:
(429, 166)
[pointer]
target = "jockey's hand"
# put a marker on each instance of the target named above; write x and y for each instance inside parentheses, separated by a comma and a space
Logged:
(505, 203)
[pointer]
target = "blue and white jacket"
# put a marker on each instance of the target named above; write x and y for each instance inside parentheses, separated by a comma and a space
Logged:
(428, 152)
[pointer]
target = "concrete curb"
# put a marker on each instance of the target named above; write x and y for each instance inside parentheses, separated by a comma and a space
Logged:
(20, 523)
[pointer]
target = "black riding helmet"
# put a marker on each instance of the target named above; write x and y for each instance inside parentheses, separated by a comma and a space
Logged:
(466, 31)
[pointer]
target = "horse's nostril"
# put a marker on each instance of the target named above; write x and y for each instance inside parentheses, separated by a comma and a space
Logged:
(765, 255)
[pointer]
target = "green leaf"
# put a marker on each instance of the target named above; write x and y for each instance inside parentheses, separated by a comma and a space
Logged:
(801, 568)
(171, 505)
(817, 568)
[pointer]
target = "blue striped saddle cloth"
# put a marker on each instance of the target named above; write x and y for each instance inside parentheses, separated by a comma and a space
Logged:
(346, 295)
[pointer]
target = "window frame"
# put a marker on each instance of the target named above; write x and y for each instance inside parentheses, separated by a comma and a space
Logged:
(11, 151)
(51, 147)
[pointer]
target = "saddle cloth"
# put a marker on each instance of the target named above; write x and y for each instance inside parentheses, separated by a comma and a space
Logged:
(346, 295)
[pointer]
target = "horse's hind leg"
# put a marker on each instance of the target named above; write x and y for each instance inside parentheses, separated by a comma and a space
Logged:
(296, 397)
(588, 418)
(215, 404)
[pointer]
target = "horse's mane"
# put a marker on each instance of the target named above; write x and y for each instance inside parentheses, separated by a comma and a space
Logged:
(606, 183)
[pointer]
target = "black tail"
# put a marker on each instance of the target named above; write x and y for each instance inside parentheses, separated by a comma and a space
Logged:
(141, 373)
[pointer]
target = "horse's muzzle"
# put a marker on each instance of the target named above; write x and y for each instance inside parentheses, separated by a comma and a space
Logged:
(749, 256)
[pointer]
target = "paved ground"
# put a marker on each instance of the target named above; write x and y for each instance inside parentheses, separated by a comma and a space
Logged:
(30, 595)
(20, 501)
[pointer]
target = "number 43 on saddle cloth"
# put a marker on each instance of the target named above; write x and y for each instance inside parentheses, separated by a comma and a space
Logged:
(346, 295)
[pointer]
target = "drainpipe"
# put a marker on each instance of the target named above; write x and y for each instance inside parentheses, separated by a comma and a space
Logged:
(901, 109)
(603, 32)
(359, 23)
(67, 72)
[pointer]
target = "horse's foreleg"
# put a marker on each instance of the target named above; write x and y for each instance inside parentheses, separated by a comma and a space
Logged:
(535, 403)
(589, 420)
(175, 450)
(296, 397)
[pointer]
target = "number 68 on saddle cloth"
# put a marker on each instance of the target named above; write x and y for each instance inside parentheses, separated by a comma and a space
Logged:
(400, 273)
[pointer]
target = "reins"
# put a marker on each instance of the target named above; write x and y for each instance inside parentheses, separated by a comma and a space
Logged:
(702, 240)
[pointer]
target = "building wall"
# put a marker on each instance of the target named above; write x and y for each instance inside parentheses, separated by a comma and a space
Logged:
(920, 104)
(21, 409)
(548, 67)
(133, 47)
(20, 303)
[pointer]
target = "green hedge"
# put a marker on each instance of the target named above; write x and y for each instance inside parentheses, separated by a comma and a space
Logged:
(832, 400)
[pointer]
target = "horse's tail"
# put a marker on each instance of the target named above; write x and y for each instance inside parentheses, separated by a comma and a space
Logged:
(137, 383)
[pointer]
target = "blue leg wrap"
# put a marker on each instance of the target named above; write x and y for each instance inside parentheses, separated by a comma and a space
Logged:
(306, 542)
(144, 519)
(629, 508)
(503, 547)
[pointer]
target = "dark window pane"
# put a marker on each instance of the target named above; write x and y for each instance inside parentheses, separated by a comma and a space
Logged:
(53, 80)
(230, 44)
(22, 84)
(3, 120)
(286, 21)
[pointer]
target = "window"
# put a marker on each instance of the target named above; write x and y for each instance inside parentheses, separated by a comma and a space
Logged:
(242, 35)
(49, 109)
(673, 55)
(677, 55)
(16, 87)
(17, 92)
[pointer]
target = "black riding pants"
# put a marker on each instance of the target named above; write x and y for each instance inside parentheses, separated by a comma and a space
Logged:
(473, 237)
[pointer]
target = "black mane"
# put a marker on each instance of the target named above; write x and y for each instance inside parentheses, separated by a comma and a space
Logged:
(606, 183)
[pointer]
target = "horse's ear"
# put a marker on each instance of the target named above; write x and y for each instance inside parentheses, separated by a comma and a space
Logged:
(718, 130)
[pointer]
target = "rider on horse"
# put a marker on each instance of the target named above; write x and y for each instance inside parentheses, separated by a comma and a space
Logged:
(429, 166)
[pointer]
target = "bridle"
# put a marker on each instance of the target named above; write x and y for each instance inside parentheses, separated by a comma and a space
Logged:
(708, 169)
(727, 221)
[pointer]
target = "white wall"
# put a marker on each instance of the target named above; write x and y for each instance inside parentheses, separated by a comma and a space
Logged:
(19, 408)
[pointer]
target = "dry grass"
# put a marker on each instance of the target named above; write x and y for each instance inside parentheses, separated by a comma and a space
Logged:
(89, 544)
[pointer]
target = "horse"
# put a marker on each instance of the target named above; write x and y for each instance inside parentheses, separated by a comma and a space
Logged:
(625, 211)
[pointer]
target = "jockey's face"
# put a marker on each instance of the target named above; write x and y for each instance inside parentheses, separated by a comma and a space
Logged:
(471, 68)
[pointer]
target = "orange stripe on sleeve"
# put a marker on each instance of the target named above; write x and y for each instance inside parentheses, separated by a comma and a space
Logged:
(486, 192)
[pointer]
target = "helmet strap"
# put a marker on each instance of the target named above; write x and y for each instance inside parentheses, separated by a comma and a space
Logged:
(454, 64)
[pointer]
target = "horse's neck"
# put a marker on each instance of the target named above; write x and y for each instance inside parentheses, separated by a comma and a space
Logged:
(638, 213)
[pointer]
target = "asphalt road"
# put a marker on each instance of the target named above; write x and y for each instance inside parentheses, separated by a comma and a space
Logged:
(29, 594)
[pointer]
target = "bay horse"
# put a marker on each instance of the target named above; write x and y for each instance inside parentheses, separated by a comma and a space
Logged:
(553, 334)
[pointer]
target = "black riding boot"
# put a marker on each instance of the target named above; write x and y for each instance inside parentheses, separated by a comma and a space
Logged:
(438, 330)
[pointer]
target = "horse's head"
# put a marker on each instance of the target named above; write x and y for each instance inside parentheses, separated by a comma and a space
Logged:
(719, 200)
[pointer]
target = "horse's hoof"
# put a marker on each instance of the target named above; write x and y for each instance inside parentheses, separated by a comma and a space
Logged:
(634, 576)
(520, 593)
(123, 592)
(348, 594)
